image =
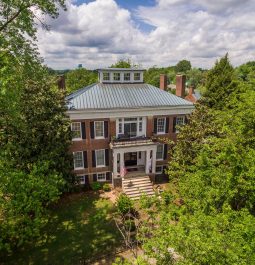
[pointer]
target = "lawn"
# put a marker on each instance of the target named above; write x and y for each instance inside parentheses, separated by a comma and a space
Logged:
(81, 227)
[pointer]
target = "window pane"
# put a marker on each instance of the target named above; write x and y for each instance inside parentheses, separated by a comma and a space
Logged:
(80, 179)
(106, 76)
(161, 125)
(137, 76)
(101, 177)
(99, 129)
(76, 130)
(120, 127)
(179, 120)
(140, 126)
(78, 159)
(159, 169)
(160, 149)
(126, 76)
(100, 159)
(116, 76)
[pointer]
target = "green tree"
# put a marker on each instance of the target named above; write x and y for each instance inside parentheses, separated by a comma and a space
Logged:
(123, 63)
(183, 66)
(79, 78)
(221, 83)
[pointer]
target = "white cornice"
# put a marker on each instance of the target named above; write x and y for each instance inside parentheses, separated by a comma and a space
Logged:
(117, 113)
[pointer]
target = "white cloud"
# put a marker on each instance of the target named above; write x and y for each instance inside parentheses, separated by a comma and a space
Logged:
(100, 32)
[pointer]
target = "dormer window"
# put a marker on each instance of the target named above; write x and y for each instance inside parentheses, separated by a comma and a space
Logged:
(106, 76)
(126, 76)
(137, 76)
(116, 76)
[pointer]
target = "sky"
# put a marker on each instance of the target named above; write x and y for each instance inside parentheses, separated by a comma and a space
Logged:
(150, 32)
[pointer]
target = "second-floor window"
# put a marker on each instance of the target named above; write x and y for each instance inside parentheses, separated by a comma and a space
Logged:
(161, 125)
(99, 129)
(76, 130)
(130, 127)
(116, 76)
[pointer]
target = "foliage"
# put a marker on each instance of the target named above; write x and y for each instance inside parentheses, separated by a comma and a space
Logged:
(245, 73)
(23, 201)
(106, 187)
(124, 204)
(79, 78)
(221, 83)
(80, 230)
(212, 170)
(96, 186)
(183, 66)
(123, 63)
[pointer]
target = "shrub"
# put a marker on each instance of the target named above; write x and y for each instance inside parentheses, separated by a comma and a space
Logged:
(130, 225)
(96, 186)
(124, 204)
(106, 187)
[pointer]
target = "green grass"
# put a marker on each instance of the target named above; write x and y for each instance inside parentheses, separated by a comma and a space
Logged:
(81, 227)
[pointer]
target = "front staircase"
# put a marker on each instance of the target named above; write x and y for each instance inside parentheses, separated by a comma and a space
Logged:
(136, 186)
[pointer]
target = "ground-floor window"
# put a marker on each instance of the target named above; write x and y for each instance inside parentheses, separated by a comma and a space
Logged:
(101, 176)
(78, 160)
(159, 169)
(80, 179)
(160, 152)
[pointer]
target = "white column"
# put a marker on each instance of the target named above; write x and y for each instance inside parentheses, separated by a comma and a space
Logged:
(154, 161)
(121, 160)
(147, 165)
(115, 170)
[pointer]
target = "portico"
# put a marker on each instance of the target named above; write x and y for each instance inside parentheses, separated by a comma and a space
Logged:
(145, 161)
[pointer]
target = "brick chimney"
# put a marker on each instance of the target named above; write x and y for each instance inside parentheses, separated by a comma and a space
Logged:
(61, 82)
(180, 85)
(191, 90)
(163, 82)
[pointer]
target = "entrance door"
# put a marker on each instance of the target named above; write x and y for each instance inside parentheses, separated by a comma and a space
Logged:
(130, 159)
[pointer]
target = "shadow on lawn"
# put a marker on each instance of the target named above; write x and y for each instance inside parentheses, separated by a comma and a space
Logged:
(80, 228)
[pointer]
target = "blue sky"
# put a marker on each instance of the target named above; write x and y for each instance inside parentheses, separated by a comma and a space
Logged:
(154, 32)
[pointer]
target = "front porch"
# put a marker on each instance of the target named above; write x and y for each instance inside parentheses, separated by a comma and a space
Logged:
(132, 159)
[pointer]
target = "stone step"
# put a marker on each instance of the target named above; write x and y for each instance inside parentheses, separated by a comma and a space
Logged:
(135, 190)
(137, 181)
(140, 185)
(138, 196)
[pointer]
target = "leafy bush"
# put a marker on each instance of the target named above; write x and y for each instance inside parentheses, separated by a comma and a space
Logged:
(96, 186)
(106, 187)
(130, 225)
(124, 204)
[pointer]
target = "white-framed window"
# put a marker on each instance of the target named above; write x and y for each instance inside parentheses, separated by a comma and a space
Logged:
(160, 152)
(161, 125)
(126, 76)
(116, 76)
(131, 127)
(106, 76)
(159, 169)
(137, 76)
(80, 179)
(100, 158)
(180, 120)
(101, 177)
(120, 126)
(78, 160)
(76, 130)
(99, 129)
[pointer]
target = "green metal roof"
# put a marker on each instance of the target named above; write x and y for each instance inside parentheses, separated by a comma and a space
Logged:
(114, 96)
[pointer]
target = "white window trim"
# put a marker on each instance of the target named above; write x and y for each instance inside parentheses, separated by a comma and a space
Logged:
(96, 157)
(83, 182)
(107, 74)
(77, 168)
(101, 180)
(136, 80)
(160, 159)
(183, 117)
(78, 138)
(138, 133)
(98, 137)
(161, 171)
(113, 77)
(164, 132)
